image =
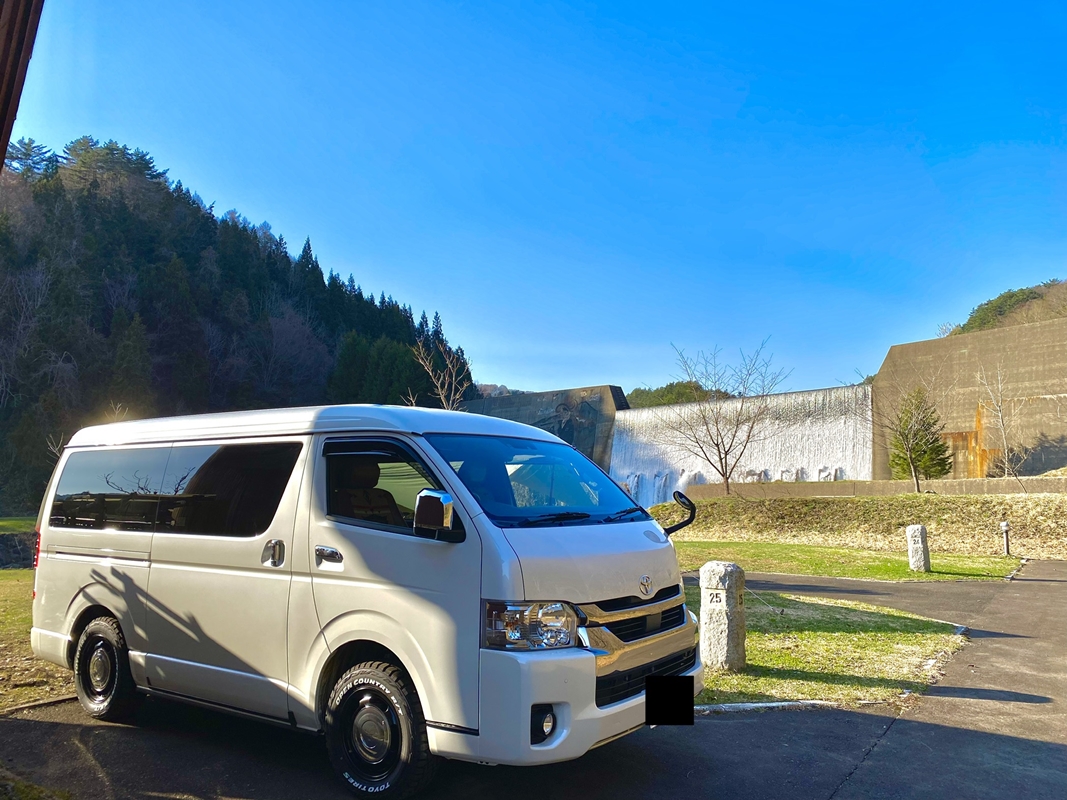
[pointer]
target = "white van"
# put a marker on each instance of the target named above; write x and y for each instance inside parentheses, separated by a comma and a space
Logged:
(411, 583)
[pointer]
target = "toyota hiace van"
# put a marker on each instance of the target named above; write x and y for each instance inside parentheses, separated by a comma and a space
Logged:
(411, 583)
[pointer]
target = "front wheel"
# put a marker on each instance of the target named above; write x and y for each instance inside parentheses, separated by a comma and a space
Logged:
(102, 676)
(376, 733)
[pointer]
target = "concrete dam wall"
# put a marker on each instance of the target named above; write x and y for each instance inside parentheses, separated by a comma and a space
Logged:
(821, 435)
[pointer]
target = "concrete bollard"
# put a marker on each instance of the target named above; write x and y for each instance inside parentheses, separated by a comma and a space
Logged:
(722, 616)
(918, 549)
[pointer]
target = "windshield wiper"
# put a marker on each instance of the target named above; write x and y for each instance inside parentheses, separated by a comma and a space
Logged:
(620, 514)
(562, 516)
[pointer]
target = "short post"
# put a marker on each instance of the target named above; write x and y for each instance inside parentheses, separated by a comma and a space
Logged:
(722, 616)
(918, 549)
(1004, 526)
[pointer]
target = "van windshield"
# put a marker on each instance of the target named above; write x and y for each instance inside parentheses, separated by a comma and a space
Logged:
(524, 482)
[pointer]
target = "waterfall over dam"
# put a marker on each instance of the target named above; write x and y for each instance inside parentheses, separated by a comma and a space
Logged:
(823, 434)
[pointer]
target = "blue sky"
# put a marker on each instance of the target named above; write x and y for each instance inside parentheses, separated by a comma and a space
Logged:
(576, 187)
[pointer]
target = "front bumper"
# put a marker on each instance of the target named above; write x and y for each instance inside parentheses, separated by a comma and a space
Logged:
(512, 683)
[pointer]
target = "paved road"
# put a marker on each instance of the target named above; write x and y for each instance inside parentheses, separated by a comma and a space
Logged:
(995, 727)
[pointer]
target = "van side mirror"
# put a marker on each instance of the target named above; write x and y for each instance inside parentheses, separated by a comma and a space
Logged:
(689, 506)
(433, 512)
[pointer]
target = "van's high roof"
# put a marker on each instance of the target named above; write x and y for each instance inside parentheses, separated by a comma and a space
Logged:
(311, 419)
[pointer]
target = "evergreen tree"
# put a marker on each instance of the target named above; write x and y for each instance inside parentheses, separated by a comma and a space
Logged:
(916, 449)
(131, 373)
(28, 158)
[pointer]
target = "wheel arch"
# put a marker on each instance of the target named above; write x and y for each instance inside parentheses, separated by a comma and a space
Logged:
(81, 622)
(348, 655)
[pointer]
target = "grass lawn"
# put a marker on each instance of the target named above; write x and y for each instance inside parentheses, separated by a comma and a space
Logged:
(17, 524)
(11, 788)
(836, 650)
(840, 562)
(23, 678)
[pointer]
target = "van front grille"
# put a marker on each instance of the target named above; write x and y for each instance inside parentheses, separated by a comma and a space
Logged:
(629, 683)
(629, 630)
(626, 603)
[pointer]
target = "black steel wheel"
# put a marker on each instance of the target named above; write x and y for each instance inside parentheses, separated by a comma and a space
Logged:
(376, 733)
(102, 676)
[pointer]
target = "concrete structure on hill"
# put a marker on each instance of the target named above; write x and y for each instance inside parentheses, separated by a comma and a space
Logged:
(582, 417)
(1032, 364)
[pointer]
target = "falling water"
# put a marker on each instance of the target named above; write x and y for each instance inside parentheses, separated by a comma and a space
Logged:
(823, 434)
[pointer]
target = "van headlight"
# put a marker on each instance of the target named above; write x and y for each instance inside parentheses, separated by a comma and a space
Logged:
(530, 626)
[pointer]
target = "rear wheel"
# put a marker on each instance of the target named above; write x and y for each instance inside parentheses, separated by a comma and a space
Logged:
(102, 676)
(376, 733)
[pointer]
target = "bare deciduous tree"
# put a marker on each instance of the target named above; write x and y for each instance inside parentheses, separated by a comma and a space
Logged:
(715, 430)
(945, 329)
(55, 446)
(120, 293)
(289, 360)
(26, 293)
(1004, 420)
(450, 376)
(117, 412)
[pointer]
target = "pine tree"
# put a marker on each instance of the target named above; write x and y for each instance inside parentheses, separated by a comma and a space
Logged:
(131, 374)
(916, 449)
(28, 158)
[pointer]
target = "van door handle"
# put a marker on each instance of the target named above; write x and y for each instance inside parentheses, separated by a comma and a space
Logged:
(275, 552)
(328, 554)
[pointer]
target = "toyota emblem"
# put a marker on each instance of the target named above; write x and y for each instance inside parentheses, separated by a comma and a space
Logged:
(646, 585)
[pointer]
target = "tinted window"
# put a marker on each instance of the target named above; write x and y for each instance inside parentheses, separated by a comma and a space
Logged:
(109, 489)
(375, 482)
(227, 490)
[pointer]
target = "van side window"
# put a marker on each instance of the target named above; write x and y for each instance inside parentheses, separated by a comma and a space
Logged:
(375, 482)
(116, 489)
(224, 490)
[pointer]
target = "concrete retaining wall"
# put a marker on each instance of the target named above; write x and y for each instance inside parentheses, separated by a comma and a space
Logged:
(971, 486)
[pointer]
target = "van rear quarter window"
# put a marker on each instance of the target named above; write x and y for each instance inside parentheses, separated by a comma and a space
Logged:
(227, 490)
(222, 490)
(110, 489)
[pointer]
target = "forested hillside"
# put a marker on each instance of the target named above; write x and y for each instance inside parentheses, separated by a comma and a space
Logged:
(1017, 307)
(123, 296)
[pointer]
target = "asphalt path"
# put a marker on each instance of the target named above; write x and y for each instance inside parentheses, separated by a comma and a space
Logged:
(994, 727)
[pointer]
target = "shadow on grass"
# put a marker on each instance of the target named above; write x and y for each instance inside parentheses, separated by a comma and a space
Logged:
(897, 685)
(809, 616)
(799, 616)
(808, 588)
(778, 674)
